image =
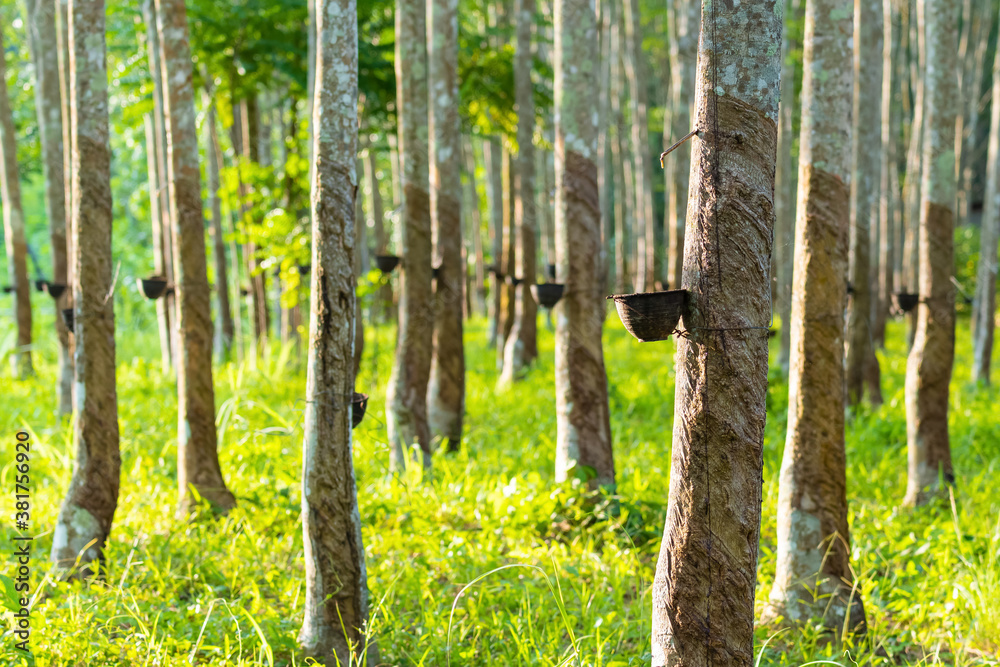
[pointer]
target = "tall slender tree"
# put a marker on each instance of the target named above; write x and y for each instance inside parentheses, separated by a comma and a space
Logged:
(986, 274)
(446, 390)
(197, 444)
(889, 184)
(522, 346)
(13, 225)
(928, 368)
(48, 106)
(406, 396)
(865, 182)
(163, 315)
(704, 587)
(225, 330)
(583, 436)
(336, 602)
(813, 570)
(88, 509)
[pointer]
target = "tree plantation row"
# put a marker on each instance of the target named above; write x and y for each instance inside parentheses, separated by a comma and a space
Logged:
(293, 178)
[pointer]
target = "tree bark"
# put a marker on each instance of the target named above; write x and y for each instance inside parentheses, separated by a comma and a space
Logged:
(911, 190)
(683, 58)
(583, 427)
(704, 587)
(813, 571)
(48, 106)
(494, 195)
(865, 182)
(88, 509)
(889, 200)
(406, 396)
(509, 255)
(226, 329)
(446, 389)
(635, 74)
(622, 216)
(522, 345)
(197, 455)
(928, 368)
(336, 601)
(986, 274)
(475, 227)
(157, 223)
(13, 224)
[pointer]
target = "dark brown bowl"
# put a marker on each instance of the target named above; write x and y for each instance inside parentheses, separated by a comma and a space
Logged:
(40, 285)
(386, 263)
(67, 315)
(153, 287)
(359, 405)
(547, 294)
(651, 316)
(906, 301)
(56, 290)
(305, 269)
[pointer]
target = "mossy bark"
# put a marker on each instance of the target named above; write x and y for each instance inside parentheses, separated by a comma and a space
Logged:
(197, 444)
(406, 396)
(929, 366)
(336, 600)
(865, 182)
(522, 345)
(13, 224)
(88, 509)
(446, 388)
(813, 573)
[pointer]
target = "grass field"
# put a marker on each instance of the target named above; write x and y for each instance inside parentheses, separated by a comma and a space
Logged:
(486, 561)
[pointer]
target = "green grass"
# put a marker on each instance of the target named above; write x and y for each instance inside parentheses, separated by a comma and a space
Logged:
(486, 561)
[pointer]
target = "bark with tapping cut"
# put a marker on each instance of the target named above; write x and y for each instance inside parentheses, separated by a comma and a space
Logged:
(522, 346)
(494, 195)
(226, 330)
(928, 368)
(635, 74)
(583, 437)
(446, 388)
(13, 224)
(62, 46)
(889, 185)
(865, 181)
(48, 106)
(197, 445)
(406, 396)
(986, 274)
(784, 198)
(683, 58)
(336, 600)
(813, 560)
(166, 307)
(704, 587)
(88, 509)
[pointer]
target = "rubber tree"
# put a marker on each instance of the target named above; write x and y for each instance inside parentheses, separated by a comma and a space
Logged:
(522, 344)
(889, 184)
(13, 226)
(406, 395)
(336, 601)
(583, 427)
(225, 329)
(446, 389)
(197, 442)
(813, 571)
(48, 106)
(684, 26)
(88, 509)
(703, 591)
(929, 366)
(986, 273)
(865, 185)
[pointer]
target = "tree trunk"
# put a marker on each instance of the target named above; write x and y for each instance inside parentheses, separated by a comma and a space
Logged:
(13, 224)
(406, 396)
(157, 223)
(522, 346)
(704, 587)
(48, 106)
(494, 195)
(635, 75)
(62, 46)
(986, 274)
(226, 330)
(813, 571)
(197, 455)
(928, 368)
(509, 256)
(888, 202)
(911, 191)
(336, 601)
(88, 509)
(475, 226)
(446, 389)
(867, 132)
(583, 437)
(683, 57)
(621, 209)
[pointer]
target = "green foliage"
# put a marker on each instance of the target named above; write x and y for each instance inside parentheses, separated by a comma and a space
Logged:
(487, 561)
